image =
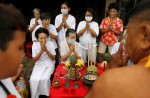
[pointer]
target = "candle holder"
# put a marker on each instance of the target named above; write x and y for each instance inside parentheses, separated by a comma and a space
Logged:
(67, 82)
(76, 84)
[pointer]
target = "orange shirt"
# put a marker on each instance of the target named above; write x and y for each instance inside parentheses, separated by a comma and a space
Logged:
(109, 38)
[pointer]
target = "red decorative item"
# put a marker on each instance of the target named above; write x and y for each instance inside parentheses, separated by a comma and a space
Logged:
(75, 71)
(11, 96)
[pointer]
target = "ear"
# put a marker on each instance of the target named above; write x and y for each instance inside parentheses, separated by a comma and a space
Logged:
(146, 36)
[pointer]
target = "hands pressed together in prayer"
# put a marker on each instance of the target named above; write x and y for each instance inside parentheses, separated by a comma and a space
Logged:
(36, 22)
(120, 58)
(43, 46)
(72, 48)
(64, 20)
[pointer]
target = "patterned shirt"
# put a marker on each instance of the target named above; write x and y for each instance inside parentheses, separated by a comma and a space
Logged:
(109, 38)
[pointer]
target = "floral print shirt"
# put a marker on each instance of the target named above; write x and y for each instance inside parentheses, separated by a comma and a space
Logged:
(109, 38)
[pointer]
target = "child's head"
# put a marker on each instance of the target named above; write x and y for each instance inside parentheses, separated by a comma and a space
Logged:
(12, 38)
(41, 34)
(71, 35)
(46, 18)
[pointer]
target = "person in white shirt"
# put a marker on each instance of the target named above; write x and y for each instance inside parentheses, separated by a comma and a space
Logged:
(36, 20)
(43, 53)
(13, 29)
(46, 18)
(70, 46)
(87, 31)
(64, 21)
(10, 87)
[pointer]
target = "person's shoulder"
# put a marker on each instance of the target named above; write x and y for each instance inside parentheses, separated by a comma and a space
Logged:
(32, 19)
(71, 16)
(51, 26)
(50, 43)
(58, 16)
(118, 19)
(109, 81)
(94, 23)
(106, 18)
(82, 22)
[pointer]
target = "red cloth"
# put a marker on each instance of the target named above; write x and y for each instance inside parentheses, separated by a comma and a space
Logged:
(70, 92)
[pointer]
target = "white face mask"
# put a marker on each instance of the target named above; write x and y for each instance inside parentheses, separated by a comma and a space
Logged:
(88, 18)
(64, 11)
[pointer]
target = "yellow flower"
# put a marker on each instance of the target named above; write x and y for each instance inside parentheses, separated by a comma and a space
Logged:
(67, 64)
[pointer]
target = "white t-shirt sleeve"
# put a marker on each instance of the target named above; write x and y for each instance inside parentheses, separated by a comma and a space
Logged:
(53, 30)
(81, 25)
(51, 47)
(63, 48)
(73, 23)
(32, 22)
(10, 86)
(95, 27)
(78, 49)
(58, 21)
(34, 49)
(115, 48)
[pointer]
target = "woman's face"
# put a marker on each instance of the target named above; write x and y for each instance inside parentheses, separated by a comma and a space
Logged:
(88, 16)
(42, 38)
(45, 22)
(12, 57)
(113, 13)
(64, 9)
(72, 36)
(37, 14)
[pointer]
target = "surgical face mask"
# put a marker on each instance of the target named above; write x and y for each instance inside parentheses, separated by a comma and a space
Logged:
(71, 41)
(64, 11)
(88, 18)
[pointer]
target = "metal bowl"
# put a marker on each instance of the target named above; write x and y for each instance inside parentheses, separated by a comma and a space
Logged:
(88, 78)
(56, 83)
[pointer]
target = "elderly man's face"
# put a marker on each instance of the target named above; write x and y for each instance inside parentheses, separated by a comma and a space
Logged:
(134, 41)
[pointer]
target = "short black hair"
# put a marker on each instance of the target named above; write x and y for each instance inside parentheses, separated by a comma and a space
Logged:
(139, 8)
(45, 15)
(66, 3)
(70, 31)
(41, 30)
(11, 19)
(113, 5)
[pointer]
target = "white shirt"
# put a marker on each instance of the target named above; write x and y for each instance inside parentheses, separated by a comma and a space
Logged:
(10, 86)
(87, 37)
(52, 29)
(32, 22)
(64, 49)
(44, 59)
(62, 33)
(115, 49)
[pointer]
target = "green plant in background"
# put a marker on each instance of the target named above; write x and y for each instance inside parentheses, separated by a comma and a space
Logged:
(106, 57)
(73, 59)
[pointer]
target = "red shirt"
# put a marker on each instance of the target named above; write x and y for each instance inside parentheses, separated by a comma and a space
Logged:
(109, 38)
